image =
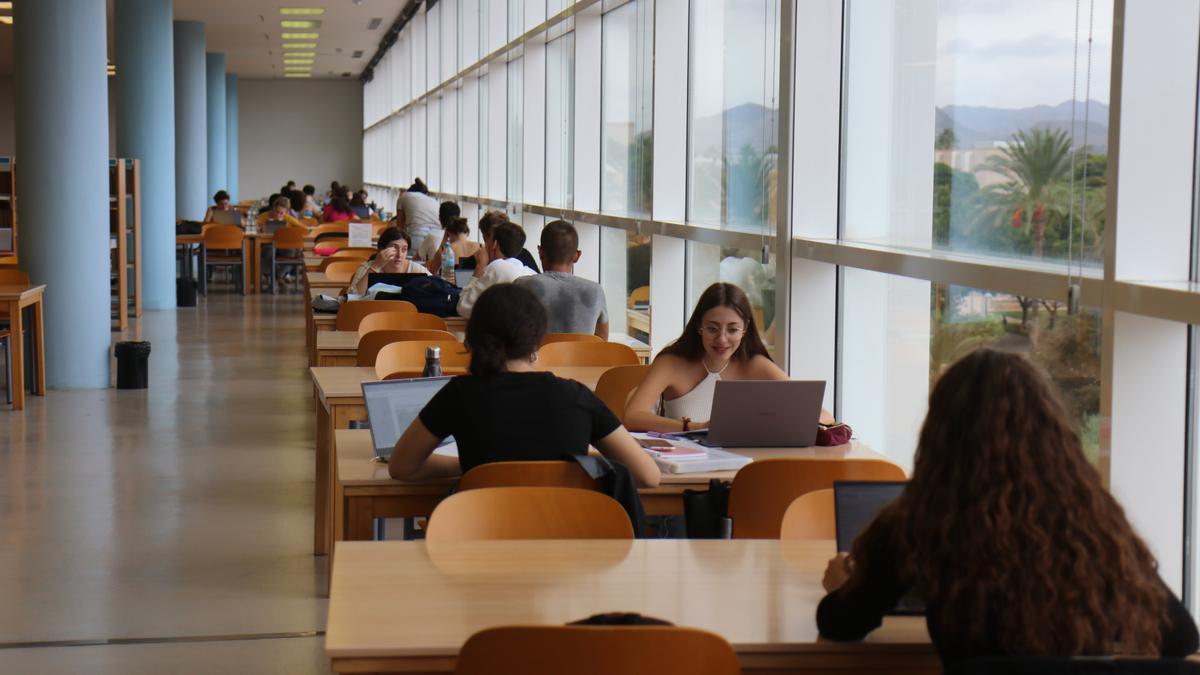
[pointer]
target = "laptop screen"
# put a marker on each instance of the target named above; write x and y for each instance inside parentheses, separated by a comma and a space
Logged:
(856, 503)
(392, 405)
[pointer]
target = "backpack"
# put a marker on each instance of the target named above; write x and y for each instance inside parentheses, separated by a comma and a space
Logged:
(430, 294)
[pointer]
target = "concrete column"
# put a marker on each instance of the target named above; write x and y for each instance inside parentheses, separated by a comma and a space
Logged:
(62, 148)
(191, 127)
(231, 135)
(146, 131)
(217, 149)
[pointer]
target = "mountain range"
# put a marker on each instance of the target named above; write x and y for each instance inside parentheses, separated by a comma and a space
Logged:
(978, 126)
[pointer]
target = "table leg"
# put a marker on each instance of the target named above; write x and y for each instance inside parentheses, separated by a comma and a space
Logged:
(39, 348)
(16, 326)
(321, 496)
(246, 265)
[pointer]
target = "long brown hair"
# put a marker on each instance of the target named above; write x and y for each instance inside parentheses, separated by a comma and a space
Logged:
(691, 346)
(1006, 530)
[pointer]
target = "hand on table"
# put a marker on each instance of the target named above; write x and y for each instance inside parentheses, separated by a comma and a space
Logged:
(837, 572)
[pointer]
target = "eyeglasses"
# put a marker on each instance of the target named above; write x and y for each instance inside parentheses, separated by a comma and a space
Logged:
(732, 332)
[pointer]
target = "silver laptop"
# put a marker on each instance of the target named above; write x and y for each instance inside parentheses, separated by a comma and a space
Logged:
(227, 217)
(764, 414)
(392, 405)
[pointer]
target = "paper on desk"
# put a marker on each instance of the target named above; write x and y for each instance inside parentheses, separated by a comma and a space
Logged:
(359, 235)
(718, 459)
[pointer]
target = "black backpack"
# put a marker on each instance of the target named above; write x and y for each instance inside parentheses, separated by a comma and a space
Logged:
(431, 295)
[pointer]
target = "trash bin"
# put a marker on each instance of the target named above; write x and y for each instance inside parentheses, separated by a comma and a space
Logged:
(185, 292)
(133, 365)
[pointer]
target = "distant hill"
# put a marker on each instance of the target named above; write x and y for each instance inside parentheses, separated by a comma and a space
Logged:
(746, 124)
(981, 126)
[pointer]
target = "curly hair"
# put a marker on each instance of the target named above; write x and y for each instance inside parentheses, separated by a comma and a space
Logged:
(1005, 520)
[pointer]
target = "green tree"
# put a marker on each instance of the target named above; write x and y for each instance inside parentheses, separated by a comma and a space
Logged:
(946, 140)
(1037, 164)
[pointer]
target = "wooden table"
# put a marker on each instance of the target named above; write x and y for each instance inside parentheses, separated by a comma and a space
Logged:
(339, 397)
(339, 351)
(364, 491)
(16, 298)
(408, 606)
(258, 242)
(340, 347)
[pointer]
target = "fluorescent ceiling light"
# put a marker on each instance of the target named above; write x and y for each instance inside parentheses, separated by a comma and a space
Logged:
(297, 74)
(299, 11)
(307, 55)
(6, 20)
(299, 45)
(301, 36)
(5, 5)
(298, 62)
(300, 24)
(298, 68)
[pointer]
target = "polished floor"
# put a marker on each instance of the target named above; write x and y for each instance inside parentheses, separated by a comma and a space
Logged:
(169, 529)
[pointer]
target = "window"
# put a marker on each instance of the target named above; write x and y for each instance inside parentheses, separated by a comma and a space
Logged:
(516, 129)
(733, 118)
(708, 264)
(625, 276)
(560, 121)
(627, 93)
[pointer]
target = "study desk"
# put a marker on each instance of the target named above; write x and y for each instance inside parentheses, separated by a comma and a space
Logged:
(188, 242)
(408, 606)
(340, 348)
(15, 298)
(258, 242)
(249, 263)
(365, 491)
(339, 401)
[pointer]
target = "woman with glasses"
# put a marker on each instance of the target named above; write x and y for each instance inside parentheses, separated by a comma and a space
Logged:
(720, 341)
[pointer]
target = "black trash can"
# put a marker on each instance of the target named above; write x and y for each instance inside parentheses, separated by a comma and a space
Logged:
(185, 292)
(133, 365)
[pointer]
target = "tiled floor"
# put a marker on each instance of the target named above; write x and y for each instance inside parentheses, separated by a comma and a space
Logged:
(181, 510)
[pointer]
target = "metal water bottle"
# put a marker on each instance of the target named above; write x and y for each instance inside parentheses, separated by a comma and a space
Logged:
(433, 362)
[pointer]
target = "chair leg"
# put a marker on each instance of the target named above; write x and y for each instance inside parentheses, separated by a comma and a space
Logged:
(274, 274)
(203, 270)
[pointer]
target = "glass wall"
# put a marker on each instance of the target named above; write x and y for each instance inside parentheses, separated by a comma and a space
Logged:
(560, 121)
(625, 276)
(708, 264)
(627, 150)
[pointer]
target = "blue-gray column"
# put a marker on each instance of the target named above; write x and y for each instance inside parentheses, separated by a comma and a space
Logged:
(146, 131)
(231, 134)
(217, 143)
(62, 145)
(191, 125)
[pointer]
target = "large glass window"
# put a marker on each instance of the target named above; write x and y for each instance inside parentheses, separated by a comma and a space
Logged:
(708, 264)
(625, 276)
(978, 127)
(627, 113)
(733, 123)
(516, 129)
(560, 121)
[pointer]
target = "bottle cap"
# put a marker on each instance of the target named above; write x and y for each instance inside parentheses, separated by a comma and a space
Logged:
(433, 352)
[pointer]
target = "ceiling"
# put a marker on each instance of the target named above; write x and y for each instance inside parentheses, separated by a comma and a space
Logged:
(249, 34)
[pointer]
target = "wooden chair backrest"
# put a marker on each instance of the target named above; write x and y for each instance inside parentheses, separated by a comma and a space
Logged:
(407, 358)
(558, 473)
(403, 320)
(370, 343)
(615, 385)
(342, 256)
(341, 228)
(331, 243)
(528, 513)
(763, 490)
(351, 313)
(570, 337)
(378, 228)
(811, 516)
(308, 221)
(223, 237)
(288, 239)
(639, 294)
(596, 650)
(342, 270)
(587, 354)
(359, 251)
(13, 277)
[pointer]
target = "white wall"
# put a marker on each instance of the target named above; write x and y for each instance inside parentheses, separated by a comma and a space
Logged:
(307, 131)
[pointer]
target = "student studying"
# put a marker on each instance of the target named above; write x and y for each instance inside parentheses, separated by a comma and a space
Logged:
(503, 266)
(574, 304)
(392, 257)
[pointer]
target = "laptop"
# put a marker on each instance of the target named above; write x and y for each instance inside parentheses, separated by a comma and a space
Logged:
(392, 405)
(227, 217)
(363, 212)
(763, 414)
(855, 505)
(391, 278)
(273, 225)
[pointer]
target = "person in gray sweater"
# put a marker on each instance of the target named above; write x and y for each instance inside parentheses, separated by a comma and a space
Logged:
(573, 305)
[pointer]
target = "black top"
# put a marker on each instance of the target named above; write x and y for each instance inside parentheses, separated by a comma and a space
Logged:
(517, 417)
(468, 263)
(851, 613)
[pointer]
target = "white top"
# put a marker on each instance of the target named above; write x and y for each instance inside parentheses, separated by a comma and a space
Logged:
(420, 211)
(503, 271)
(697, 403)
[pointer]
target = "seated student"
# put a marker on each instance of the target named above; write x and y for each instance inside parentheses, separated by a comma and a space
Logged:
(280, 210)
(486, 223)
(359, 207)
(1008, 535)
(502, 266)
(337, 209)
(311, 209)
(504, 410)
(392, 257)
(220, 203)
(270, 201)
(457, 232)
(720, 341)
(574, 304)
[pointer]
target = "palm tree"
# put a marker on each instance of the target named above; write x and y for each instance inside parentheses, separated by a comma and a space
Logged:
(1037, 164)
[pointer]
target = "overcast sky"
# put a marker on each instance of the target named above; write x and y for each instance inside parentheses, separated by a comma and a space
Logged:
(1019, 53)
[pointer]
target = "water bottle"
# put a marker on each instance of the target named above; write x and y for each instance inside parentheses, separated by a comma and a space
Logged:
(448, 263)
(433, 362)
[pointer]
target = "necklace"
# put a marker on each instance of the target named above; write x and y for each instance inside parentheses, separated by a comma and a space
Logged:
(715, 372)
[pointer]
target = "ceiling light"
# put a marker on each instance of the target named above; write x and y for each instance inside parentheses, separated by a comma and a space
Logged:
(300, 24)
(6, 20)
(298, 68)
(301, 36)
(309, 55)
(301, 11)
(297, 74)
(298, 62)
(299, 45)
(5, 5)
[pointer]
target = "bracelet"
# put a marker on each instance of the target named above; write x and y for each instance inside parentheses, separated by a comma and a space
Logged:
(687, 422)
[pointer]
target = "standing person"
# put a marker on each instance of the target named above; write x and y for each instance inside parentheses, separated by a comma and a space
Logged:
(1007, 533)
(502, 267)
(573, 304)
(392, 257)
(418, 215)
(458, 233)
(220, 203)
(486, 223)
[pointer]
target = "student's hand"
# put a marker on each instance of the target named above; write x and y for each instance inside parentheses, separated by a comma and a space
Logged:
(836, 572)
(481, 261)
(385, 257)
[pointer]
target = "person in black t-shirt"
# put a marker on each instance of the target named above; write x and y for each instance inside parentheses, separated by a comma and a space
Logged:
(504, 410)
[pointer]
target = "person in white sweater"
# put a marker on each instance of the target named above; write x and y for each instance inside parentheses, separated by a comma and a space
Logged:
(497, 263)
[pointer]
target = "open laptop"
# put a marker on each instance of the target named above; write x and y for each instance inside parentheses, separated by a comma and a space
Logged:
(227, 217)
(855, 506)
(273, 225)
(363, 212)
(392, 405)
(763, 414)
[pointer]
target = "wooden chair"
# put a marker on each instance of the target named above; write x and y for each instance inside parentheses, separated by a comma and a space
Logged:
(291, 241)
(371, 342)
(763, 490)
(528, 513)
(351, 313)
(342, 270)
(570, 337)
(811, 516)
(325, 228)
(13, 277)
(399, 360)
(557, 473)
(596, 650)
(223, 247)
(330, 244)
(308, 221)
(358, 251)
(587, 354)
(617, 383)
(378, 228)
(342, 256)
(404, 320)
(641, 294)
